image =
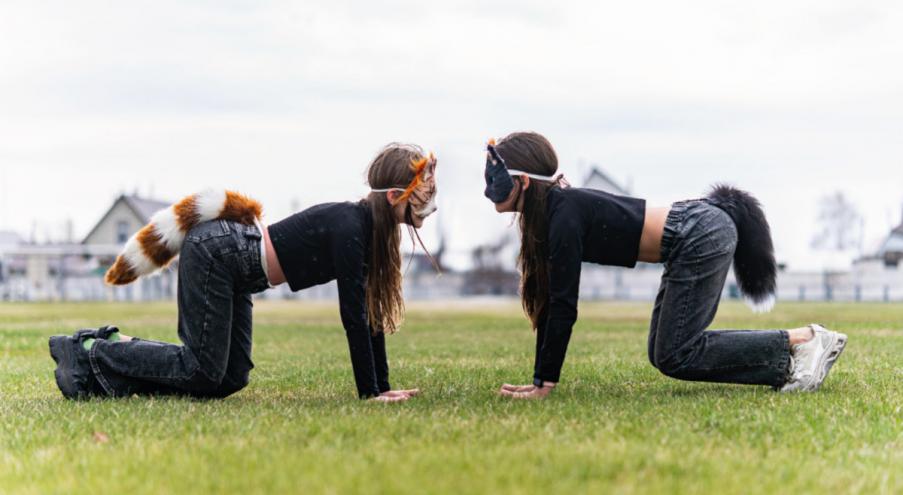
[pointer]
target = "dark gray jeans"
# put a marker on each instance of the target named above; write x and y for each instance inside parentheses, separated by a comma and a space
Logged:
(697, 250)
(219, 269)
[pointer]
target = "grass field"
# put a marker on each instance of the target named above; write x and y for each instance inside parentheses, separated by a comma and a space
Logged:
(613, 426)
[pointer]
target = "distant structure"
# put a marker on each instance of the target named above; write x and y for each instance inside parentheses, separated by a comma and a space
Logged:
(73, 271)
(69, 271)
(874, 277)
(8, 242)
(422, 281)
(125, 217)
(611, 282)
(599, 180)
(490, 272)
(891, 251)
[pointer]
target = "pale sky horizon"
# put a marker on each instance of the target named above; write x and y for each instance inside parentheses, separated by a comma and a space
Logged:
(289, 101)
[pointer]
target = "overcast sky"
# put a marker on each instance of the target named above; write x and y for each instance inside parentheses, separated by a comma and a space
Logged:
(288, 102)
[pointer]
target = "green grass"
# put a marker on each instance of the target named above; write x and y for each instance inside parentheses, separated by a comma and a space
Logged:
(613, 426)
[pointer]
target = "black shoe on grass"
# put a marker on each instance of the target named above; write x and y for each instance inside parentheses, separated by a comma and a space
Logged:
(73, 371)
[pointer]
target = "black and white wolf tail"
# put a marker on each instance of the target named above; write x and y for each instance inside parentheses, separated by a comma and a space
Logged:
(754, 262)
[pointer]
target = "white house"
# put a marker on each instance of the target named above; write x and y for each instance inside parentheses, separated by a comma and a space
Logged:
(74, 271)
(125, 217)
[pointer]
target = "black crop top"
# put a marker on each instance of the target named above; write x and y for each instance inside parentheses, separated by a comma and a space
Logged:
(332, 242)
(584, 225)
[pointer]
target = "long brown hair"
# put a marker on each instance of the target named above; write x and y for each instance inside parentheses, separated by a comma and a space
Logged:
(385, 301)
(531, 152)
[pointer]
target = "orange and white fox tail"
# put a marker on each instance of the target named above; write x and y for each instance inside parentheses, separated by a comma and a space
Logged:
(158, 243)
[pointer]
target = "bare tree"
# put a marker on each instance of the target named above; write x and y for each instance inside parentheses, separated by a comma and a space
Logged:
(840, 225)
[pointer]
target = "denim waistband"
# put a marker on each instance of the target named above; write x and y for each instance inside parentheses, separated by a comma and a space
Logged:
(671, 233)
(253, 277)
(258, 281)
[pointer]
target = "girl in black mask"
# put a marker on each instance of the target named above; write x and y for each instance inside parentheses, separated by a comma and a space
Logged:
(697, 241)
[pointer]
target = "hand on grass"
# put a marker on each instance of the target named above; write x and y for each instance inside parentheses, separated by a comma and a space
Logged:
(402, 393)
(517, 388)
(396, 395)
(387, 398)
(526, 391)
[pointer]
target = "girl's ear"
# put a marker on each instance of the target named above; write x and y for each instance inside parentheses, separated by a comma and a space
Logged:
(525, 180)
(391, 196)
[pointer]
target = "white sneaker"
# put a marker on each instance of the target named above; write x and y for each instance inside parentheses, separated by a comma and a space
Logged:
(811, 361)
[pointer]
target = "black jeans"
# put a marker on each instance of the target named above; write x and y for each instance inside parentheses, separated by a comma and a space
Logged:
(697, 250)
(219, 269)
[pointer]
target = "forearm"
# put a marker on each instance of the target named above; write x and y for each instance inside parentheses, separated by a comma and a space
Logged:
(380, 362)
(362, 363)
(553, 351)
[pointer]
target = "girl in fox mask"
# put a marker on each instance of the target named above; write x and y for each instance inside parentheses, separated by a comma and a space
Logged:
(226, 255)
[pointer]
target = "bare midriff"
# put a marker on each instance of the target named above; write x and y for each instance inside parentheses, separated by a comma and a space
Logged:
(274, 269)
(651, 240)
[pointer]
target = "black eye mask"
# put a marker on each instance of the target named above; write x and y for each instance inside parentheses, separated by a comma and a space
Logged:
(498, 181)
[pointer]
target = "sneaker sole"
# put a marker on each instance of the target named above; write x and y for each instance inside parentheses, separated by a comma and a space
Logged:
(840, 343)
(61, 353)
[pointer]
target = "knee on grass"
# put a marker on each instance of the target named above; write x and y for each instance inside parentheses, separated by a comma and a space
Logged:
(669, 365)
(233, 384)
(223, 386)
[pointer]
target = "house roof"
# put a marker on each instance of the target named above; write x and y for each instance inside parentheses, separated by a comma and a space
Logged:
(143, 208)
(894, 242)
(596, 175)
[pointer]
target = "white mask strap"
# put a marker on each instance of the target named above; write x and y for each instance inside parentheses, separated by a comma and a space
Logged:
(532, 176)
(388, 189)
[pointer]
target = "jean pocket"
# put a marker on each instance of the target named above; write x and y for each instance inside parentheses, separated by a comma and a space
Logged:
(252, 232)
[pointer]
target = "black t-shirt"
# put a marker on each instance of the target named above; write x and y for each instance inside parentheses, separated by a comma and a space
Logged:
(584, 225)
(329, 242)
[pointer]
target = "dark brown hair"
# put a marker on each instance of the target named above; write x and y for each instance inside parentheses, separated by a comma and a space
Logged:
(385, 301)
(531, 152)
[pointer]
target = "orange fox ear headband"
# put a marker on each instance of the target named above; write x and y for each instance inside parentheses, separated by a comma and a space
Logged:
(423, 184)
(422, 189)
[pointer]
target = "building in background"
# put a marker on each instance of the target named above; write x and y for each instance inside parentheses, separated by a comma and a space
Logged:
(9, 241)
(612, 282)
(599, 180)
(492, 272)
(874, 277)
(891, 252)
(125, 217)
(73, 271)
